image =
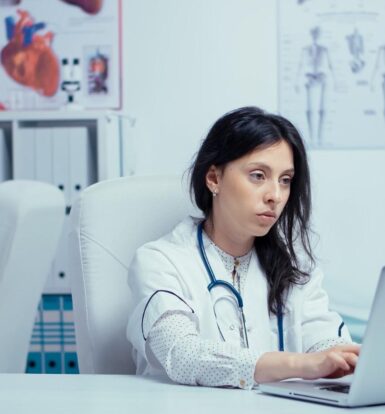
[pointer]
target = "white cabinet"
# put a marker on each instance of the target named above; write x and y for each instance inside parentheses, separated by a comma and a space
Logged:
(70, 149)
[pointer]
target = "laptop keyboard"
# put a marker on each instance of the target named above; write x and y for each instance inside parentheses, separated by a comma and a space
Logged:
(336, 388)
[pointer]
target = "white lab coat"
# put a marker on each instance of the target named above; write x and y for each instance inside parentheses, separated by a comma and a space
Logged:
(168, 274)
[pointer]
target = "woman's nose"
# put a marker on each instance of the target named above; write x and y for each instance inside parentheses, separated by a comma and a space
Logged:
(273, 193)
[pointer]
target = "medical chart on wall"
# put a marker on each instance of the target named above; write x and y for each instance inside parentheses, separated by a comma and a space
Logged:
(332, 71)
(59, 52)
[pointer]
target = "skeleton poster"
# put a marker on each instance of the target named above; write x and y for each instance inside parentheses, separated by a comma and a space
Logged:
(60, 53)
(331, 68)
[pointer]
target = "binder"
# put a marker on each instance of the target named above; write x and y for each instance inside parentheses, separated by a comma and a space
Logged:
(51, 342)
(24, 153)
(80, 164)
(35, 359)
(58, 282)
(53, 363)
(128, 150)
(71, 363)
(43, 155)
(60, 161)
(34, 363)
(69, 340)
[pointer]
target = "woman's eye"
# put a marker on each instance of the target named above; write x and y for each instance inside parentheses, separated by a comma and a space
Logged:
(286, 180)
(257, 176)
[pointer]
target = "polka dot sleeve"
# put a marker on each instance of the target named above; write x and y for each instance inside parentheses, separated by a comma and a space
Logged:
(327, 344)
(188, 359)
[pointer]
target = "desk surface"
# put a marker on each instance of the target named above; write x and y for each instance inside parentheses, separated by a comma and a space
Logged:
(27, 393)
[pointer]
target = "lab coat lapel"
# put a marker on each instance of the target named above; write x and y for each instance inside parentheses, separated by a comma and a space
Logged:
(256, 308)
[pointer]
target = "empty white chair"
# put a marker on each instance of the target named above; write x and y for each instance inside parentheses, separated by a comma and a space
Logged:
(110, 220)
(31, 220)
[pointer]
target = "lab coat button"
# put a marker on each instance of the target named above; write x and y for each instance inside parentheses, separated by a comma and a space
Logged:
(231, 327)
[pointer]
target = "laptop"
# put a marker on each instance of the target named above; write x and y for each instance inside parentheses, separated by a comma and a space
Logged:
(366, 386)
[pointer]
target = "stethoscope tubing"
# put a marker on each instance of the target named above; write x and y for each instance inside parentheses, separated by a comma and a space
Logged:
(214, 282)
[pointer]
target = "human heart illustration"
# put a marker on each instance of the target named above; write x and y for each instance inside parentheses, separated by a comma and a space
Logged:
(28, 57)
(89, 6)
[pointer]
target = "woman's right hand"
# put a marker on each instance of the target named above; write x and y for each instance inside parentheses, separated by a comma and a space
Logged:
(335, 362)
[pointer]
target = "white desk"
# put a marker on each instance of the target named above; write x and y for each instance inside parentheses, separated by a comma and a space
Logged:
(108, 394)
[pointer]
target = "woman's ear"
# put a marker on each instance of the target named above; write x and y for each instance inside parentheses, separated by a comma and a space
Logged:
(213, 178)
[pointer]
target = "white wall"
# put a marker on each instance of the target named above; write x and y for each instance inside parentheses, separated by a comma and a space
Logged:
(349, 201)
(188, 62)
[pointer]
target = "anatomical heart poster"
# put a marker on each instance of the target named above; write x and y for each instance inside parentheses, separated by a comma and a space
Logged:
(60, 53)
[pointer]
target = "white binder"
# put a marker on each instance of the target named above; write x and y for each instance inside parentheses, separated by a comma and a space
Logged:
(58, 281)
(43, 155)
(60, 161)
(79, 160)
(24, 153)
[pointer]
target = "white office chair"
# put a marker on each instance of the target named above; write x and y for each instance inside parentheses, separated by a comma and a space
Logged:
(110, 220)
(31, 220)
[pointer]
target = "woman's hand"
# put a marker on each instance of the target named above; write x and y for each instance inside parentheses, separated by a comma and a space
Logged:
(333, 363)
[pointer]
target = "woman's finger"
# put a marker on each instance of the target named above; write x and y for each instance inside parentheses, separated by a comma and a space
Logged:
(350, 358)
(339, 361)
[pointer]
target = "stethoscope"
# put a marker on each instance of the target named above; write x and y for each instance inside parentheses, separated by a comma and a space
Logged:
(214, 282)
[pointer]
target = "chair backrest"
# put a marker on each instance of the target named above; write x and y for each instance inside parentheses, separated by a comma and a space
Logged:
(110, 220)
(31, 221)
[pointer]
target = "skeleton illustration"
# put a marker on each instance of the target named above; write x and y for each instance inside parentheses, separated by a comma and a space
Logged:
(379, 66)
(314, 66)
(356, 49)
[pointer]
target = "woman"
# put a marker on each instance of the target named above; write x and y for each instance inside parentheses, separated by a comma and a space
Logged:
(251, 181)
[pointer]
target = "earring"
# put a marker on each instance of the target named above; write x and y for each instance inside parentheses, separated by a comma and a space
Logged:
(215, 193)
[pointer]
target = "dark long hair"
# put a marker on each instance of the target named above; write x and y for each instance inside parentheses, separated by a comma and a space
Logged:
(234, 135)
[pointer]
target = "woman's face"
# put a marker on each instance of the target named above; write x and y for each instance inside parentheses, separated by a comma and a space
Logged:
(253, 190)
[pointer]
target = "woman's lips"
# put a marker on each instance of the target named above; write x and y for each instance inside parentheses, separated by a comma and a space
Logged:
(267, 218)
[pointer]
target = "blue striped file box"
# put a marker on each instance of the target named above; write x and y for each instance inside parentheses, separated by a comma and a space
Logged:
(53, 346)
